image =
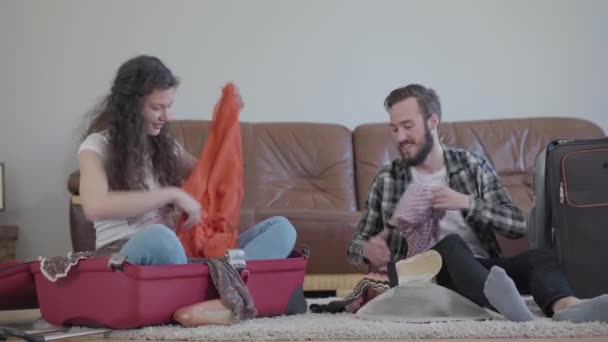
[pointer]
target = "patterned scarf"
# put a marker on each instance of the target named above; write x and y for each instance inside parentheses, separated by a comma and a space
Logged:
(372, 285)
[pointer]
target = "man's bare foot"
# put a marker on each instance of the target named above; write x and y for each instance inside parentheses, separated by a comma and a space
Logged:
(204, 313)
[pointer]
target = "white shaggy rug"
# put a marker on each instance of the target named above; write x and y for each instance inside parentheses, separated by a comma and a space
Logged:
(348, 327)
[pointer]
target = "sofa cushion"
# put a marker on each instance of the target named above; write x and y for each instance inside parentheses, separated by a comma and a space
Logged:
(303, 166)
(325, 232)
(373, 147)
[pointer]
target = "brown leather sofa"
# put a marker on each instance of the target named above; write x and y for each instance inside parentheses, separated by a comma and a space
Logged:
(318, 176)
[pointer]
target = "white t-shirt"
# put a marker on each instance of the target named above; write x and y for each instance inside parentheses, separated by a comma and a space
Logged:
(107, 231)
(452, 222)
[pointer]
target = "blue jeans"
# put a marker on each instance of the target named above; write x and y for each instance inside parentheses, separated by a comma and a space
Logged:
(273, 238)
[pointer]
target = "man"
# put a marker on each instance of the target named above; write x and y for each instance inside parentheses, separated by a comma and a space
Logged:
(476, 207)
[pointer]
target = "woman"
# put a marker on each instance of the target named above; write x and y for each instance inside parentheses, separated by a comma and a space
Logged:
(131, 169)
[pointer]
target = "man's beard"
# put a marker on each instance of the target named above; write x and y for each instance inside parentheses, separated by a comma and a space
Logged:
(420, 157)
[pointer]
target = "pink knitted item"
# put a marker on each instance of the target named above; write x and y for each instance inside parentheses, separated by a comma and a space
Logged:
(415, 217)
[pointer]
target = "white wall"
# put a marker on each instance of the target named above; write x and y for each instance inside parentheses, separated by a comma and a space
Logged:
(323, 60)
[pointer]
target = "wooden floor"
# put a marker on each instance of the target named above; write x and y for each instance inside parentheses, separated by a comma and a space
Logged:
(25, 317)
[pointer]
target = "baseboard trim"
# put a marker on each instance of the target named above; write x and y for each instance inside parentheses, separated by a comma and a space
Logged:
(331, 282)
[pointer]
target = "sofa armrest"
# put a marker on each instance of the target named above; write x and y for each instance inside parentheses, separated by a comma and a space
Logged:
(74, 183)
(82, 231)
(326, 233)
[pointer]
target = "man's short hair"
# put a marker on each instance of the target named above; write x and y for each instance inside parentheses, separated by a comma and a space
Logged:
(427, 99)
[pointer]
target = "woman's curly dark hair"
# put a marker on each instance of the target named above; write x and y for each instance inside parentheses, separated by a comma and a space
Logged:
(121, 114)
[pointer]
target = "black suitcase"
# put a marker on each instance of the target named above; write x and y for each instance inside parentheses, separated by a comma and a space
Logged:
(570, 211)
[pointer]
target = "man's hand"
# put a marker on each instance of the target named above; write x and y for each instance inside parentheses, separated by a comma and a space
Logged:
(376, 251)
(446, 198)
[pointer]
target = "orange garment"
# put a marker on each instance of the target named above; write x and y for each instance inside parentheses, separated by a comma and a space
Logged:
(217, 183)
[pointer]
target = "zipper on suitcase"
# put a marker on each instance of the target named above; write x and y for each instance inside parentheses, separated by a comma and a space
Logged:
(561, 192)
(555, 245)
(555, 143)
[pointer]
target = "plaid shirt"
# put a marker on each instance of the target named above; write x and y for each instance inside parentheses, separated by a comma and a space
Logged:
(491, 209)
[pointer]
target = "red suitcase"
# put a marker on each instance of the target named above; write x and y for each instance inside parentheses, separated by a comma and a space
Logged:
(95, 295)
(17, 288)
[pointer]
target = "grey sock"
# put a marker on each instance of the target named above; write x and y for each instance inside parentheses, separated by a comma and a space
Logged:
(501, 292)
(588, 310)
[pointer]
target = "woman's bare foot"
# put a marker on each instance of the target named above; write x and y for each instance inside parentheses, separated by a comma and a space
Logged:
(204, 313)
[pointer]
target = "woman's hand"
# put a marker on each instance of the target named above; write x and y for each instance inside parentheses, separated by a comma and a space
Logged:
(185, 203)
